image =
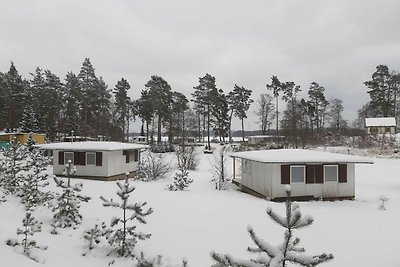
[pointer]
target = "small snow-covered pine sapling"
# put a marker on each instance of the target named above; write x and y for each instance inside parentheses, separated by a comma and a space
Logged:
(35, 179)
(30, 226)
(181, 179)
(66, 210)
(124, 236)
(11, 167)
(383, 200)
(94, 235)
(192, 158)
(281, 255)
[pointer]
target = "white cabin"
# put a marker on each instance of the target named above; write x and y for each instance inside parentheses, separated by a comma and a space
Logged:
(96, 160)
(311, 174)
(380, 125)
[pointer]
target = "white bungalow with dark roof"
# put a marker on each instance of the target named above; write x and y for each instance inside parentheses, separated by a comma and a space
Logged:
(96, 160)
(311, 174)
(380, 125)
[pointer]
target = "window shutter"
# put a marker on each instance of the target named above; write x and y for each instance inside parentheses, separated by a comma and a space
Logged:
(310, 174)
(127, 156)
(80, 158)
(285, 174)
(136, 155)
(319, 174)
(99, 158)
(342, 173)
(60, 157)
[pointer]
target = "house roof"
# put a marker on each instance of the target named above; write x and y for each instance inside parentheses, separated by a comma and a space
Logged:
(298, 156)
(374, 122)
(91, 146)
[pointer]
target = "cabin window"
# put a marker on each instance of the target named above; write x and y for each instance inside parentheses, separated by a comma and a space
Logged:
(330, 173)
(90, 158)
(297, 174)
(387, 129)
(68, 156)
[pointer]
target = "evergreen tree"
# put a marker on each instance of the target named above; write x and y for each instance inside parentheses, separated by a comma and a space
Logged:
(12, 166)
(220, 111)
(73, 104)
(66, 211)
(318, 105)
(122, 104)
(94, 235)
(35, 180)
(160, 94)
(30, 226)
(281, 255)
(124, 236)
(14, 97)
(276, 87)
(146, 111)
(384, 88)
(203, 99)
(241, 103)
(181, 179)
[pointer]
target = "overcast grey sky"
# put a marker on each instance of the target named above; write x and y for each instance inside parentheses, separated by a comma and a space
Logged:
(336, 43)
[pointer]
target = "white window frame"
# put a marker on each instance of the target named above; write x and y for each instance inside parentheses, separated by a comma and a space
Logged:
(87, 162)
(65, 157)
(304, 174)
(337, 174)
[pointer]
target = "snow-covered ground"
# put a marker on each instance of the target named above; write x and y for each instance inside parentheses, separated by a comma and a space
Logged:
(191, 223)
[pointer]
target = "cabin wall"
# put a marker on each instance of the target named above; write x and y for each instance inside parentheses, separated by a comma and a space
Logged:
(113, 163)
(257, 176)
(265, 178)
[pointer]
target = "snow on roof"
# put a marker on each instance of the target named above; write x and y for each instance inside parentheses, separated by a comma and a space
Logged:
(298, 156)
(371, 122)
(91, 146)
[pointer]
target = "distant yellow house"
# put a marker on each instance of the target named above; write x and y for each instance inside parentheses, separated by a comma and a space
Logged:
(380, 125)
(22, 137)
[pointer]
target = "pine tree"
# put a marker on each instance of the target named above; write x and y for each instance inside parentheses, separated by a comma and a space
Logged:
(181, 179)
(29, 122)
(94, 235)
(66, 211)
(281, 255)
(30, 226)
(241, 103)
(124, 236)
(35, 180)
(122, 101)
(12, 166)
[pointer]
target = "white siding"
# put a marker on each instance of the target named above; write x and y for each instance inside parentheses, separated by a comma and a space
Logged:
(257, 176)
(113, 163)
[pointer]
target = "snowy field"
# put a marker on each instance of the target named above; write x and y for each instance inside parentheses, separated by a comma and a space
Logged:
(191, 223)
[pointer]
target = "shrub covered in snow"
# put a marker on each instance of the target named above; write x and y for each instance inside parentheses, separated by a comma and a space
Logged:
(152, 167)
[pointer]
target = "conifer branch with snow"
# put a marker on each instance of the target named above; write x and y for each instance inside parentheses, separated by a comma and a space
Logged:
(181, 179)
(124, 237)
(278, 256)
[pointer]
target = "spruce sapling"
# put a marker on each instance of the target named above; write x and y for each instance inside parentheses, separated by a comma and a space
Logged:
(181, 179)
(94, 235)
(35, 179)
(66, 211)
(11, 167)
(30, 227)
(281, 255)
(124, 237)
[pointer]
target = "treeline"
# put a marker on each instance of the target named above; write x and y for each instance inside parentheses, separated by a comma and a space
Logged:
(82, 104)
